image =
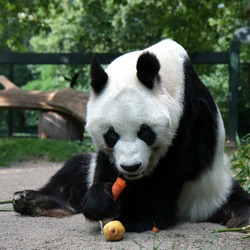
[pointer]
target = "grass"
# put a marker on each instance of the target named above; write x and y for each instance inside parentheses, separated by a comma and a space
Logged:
(14, 150)
(240, 160)
(155, 246)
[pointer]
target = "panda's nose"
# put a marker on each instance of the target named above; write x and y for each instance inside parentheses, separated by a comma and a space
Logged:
(131, 168)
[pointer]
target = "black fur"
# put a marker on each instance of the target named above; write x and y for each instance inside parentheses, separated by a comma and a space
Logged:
(99, 77)
(36, 203)
(236, 210)
(103, 206)
(151, 200)
(147, 67)
(147, 134)
(193, 148)
(111, 137)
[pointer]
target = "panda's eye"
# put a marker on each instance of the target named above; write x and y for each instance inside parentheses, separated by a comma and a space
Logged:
(113, 134)
(146, 134)
(144, 130)
(111, 137)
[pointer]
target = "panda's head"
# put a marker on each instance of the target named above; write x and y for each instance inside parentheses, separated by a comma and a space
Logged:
(135, 107)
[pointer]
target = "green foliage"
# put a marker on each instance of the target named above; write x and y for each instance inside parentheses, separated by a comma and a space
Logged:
(240, 159)
(49, 77)
(55, 77)
(114, 26)
(16, 150)
(108, 25)
(20, 21)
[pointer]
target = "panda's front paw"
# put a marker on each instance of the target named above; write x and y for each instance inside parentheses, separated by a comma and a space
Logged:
(144, 224)
(98, 202)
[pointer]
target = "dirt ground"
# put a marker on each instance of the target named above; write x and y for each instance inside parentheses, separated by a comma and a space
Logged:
(75, 232)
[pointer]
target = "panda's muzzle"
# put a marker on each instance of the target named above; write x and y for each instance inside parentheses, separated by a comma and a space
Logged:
(131, 168)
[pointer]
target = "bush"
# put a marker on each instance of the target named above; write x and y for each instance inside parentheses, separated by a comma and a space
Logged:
(240, 159)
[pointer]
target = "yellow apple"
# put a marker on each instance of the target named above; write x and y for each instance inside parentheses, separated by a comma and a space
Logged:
(113, 231)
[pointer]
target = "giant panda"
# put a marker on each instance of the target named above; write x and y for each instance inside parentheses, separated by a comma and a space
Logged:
(156, 125)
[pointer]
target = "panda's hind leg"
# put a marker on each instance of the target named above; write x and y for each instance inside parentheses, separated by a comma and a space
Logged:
(236, 211)
(35, 203)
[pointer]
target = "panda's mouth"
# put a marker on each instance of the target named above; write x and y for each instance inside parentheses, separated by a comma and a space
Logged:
(131, 176)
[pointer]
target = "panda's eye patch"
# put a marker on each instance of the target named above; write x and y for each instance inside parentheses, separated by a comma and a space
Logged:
(111, 137)
(146, 134)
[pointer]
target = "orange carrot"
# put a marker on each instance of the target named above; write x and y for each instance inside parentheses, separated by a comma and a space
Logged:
(155, 230)
(117, 187)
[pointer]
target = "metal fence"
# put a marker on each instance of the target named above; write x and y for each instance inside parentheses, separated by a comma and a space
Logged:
(230, 58)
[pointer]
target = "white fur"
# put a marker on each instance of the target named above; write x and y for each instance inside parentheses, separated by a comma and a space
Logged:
(202, 197)
(91, 171)
(126, 104)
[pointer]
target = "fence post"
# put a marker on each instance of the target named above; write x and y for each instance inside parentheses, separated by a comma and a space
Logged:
(233, 89)
(241, 35)
(9, 119)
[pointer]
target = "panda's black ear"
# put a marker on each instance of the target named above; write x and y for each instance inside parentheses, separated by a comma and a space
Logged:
(147, 67)
(99, 77)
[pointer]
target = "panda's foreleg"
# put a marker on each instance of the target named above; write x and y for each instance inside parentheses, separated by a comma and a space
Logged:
(98, 202)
